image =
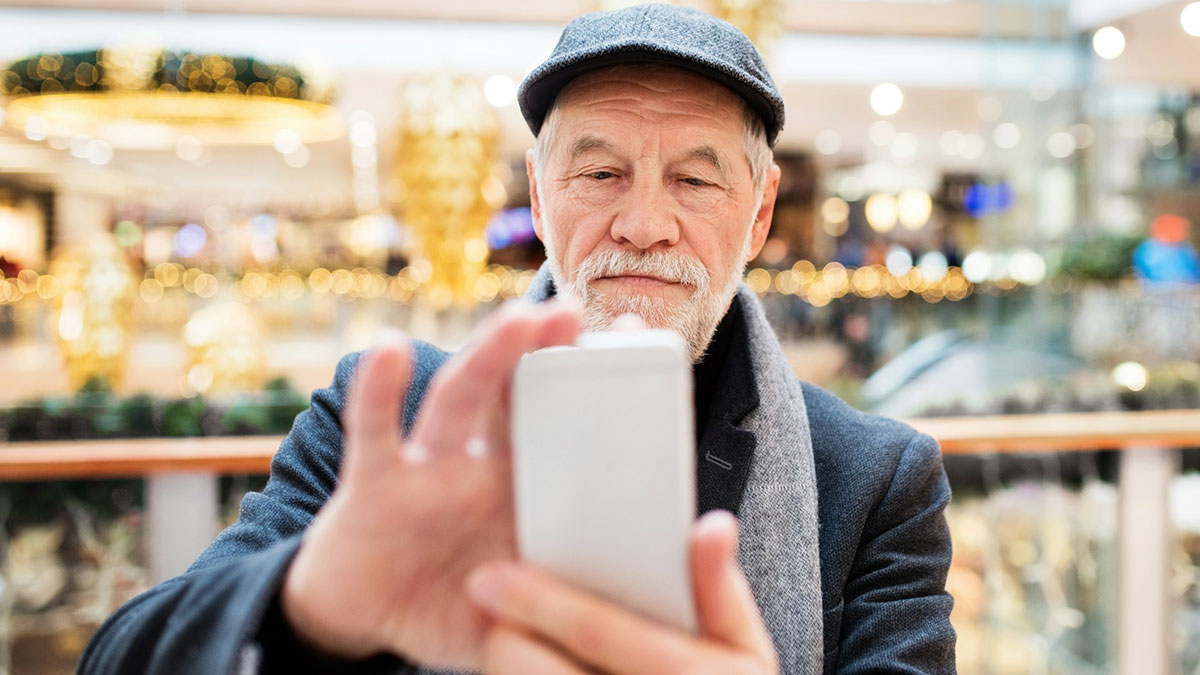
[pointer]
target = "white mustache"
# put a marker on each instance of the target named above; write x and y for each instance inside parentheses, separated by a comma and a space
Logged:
(673, 267)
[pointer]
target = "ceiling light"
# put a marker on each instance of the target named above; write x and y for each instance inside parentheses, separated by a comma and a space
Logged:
(886, 99)
(835, 212)
(1131, 375)
(933, 266)
(1189, 18)
(914, 208)
(1109, 42)
(977, 267)
(500, 90)
(882, 212)
(898, 260)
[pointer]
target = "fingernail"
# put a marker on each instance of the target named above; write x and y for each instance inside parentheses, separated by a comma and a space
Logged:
(486, 584)
(477, 447)
(716, 521)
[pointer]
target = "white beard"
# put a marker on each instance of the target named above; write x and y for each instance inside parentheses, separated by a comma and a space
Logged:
(694, 319)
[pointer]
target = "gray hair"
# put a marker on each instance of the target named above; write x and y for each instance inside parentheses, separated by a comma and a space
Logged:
(754, 144)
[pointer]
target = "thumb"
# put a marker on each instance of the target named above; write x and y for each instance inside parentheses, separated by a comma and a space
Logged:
(724, 604)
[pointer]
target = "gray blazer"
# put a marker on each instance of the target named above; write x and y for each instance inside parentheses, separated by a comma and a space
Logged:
(883, 547)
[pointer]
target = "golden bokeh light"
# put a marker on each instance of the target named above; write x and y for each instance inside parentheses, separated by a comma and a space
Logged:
(92, 311)
(445, 158)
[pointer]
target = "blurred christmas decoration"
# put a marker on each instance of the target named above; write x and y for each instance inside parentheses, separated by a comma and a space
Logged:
(91, 286)
(760, 20)
(226, 351)
(448, 185)
(146, 98)
(370, 237)
(803, 279)
(33, 569)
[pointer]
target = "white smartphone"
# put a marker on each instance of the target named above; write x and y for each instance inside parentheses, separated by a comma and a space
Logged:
(604, 468)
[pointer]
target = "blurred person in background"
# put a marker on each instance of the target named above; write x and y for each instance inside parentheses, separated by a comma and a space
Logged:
(1167, 256)
(385, 547)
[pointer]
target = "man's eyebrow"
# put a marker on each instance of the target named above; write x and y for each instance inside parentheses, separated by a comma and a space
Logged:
(708, 154)
(586, 144)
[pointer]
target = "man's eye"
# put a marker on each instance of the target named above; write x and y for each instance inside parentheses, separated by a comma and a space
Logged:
(601, 175)
(696, 182)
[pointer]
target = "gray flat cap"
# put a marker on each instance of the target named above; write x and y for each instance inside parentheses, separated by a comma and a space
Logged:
(666, 34)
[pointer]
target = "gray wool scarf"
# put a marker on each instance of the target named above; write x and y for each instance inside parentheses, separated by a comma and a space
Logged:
(777, 520)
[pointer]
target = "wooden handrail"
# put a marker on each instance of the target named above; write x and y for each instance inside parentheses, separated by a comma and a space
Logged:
(252, 454)
(1064, 431)
(54, 460)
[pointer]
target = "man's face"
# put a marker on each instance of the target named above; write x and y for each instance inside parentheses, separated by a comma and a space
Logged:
(646, 203)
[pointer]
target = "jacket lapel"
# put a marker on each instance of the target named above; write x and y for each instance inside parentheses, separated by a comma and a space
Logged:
(725, 450)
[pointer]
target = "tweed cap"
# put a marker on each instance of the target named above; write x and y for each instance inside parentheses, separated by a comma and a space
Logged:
(655, 33)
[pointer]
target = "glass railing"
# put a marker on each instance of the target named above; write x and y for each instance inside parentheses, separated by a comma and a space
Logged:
(1076, 547)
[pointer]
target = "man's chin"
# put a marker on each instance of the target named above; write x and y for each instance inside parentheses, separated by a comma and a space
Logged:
(655, 312)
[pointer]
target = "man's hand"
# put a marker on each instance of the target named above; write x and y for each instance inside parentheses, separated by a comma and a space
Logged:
(383, 565)
(545, 626)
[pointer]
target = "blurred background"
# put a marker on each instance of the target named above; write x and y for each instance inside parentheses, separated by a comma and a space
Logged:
(984, 227)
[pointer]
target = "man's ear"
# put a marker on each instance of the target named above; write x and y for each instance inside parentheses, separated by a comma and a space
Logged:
(762, 219)
(535, 205)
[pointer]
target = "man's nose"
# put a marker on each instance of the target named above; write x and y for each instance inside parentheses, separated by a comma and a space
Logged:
(646, 218)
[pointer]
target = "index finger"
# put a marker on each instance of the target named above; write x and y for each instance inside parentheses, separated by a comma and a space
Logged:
(371, 420)
(465, 390)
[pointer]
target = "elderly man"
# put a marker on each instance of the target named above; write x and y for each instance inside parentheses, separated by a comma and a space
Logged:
(379, 546)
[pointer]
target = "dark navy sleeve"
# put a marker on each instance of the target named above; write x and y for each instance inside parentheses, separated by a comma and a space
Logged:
(895, 617)
(221, 616)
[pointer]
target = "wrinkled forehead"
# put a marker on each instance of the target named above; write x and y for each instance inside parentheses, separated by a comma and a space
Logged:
(664, 94)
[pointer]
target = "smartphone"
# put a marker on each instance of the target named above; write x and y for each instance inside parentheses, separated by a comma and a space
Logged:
(604, 468)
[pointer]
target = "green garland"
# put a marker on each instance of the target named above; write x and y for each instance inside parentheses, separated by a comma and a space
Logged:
(86, 71)
(1106, 258)
(95, 413)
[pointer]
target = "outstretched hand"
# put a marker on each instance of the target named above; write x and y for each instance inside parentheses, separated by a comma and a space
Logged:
(382, 567)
